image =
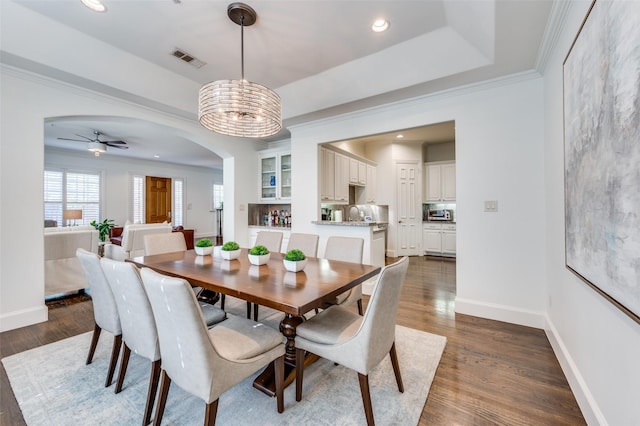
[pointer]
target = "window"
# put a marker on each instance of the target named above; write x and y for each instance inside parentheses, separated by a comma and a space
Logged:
(218, 196)
(178, 203)
(137, 191)
(66, 190)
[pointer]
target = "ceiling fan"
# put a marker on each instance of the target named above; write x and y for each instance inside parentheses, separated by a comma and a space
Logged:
(96, 145)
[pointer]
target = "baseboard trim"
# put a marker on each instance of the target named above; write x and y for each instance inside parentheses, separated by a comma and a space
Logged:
(18, 319)
(503, 313)
(587, 403)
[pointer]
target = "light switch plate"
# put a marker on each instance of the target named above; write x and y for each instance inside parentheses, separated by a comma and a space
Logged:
(491, 206)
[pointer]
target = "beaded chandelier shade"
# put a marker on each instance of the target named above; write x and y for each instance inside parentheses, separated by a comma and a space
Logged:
(240, 107)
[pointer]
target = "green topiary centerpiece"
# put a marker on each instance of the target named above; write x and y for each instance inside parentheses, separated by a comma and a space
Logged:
(259, 255)
(230, 250)
(294, 260)
(204, 247)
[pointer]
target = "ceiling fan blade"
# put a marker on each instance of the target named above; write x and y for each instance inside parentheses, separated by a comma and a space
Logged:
(116, 146)
(115, 142)
(77, 140)
(88, 139)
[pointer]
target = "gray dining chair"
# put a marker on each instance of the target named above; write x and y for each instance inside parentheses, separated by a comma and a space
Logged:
(308, 243)
(357, 342)
(171, 243)
(105, 311)
(219, 358)
(164, 243)
(273, 242)
(346, 249)
(138, 326)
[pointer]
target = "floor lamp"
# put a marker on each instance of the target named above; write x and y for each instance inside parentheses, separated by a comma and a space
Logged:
(72, 215)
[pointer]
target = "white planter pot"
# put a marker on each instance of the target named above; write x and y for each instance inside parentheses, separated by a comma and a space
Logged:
(294, 266)
(203, 251)
(259, 260)
(230, 255)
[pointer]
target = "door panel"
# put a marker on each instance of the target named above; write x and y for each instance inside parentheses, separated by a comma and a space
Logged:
(158, 199)
(409, 209)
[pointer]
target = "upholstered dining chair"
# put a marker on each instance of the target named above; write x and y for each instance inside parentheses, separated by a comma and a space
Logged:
(139, 332)
(219, 358)
(346, 249)
(308, 243)
(164, 243)
(171, 243)
(105, 311)
(272, 240)
(357, 342)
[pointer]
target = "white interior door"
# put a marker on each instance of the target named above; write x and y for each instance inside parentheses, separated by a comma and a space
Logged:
(409, 212)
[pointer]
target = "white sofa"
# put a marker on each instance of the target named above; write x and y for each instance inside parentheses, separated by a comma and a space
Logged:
(133, 240)
(62, 270)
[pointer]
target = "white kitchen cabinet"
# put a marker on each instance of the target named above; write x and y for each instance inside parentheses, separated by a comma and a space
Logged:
(439, 238)
(275, 176)
(371, 189)
(341, 179)
(357, 172)
(327, 175)
(440, 182)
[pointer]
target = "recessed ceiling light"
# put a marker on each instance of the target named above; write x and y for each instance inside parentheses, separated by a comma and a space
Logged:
(94, 5)
(156, 156)
(400, 136)
(380, 25)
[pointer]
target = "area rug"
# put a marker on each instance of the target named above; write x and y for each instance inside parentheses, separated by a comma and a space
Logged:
(53, 386)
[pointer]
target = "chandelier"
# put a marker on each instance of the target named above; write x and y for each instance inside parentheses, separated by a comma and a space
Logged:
(240, 107)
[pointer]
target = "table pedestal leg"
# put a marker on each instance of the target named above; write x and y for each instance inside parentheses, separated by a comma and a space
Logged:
(265, 382)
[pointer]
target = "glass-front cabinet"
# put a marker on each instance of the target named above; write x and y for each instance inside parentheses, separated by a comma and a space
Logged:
(275, 177)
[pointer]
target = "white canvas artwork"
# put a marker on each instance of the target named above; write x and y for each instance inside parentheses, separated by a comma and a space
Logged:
(602, 153)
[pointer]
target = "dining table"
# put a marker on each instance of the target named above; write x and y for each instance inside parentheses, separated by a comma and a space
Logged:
(271, 285)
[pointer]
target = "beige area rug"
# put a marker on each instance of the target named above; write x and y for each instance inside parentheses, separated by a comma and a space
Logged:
(54, 387)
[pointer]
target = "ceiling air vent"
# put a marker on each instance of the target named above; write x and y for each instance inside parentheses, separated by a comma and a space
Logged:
(188, 58)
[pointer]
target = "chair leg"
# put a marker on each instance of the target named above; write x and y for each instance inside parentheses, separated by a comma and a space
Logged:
(210, 413)
(299, 373)
(279, 372)
(94, 343)
(255, 311)
(151, 393)
(366, 398)
(165, 384)
(115, 351)
(124, 363)
(248, 310)
(396, 367)
(360, 311)
(222, 300)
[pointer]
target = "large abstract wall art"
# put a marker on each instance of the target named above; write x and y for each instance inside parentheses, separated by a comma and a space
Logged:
(602, 153)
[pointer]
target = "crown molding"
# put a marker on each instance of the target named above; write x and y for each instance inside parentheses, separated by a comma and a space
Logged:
(555, 24)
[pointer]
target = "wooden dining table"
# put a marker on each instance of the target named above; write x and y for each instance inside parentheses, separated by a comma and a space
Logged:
(271, 285)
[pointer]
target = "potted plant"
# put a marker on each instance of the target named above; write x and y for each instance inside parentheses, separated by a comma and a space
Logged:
(230, 250)
(294, 260)
(204, 247)
(259, 255)
(103, 228)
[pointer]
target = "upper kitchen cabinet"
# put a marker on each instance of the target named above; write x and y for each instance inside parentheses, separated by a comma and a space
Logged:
(440, 182)
(357, 172)
(327, 175)
(341, 179)
(275, 176)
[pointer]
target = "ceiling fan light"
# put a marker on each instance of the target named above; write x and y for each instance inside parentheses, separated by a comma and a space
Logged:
(96, 147)
(94, 5)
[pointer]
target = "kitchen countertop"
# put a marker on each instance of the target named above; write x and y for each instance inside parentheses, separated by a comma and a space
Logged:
(348, 223)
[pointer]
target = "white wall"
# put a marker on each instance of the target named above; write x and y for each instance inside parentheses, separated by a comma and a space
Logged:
(117, 173)
(499, 155)
(597, 345)
(27, 101)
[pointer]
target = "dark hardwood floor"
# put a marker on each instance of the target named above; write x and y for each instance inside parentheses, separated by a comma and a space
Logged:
(491, 373)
